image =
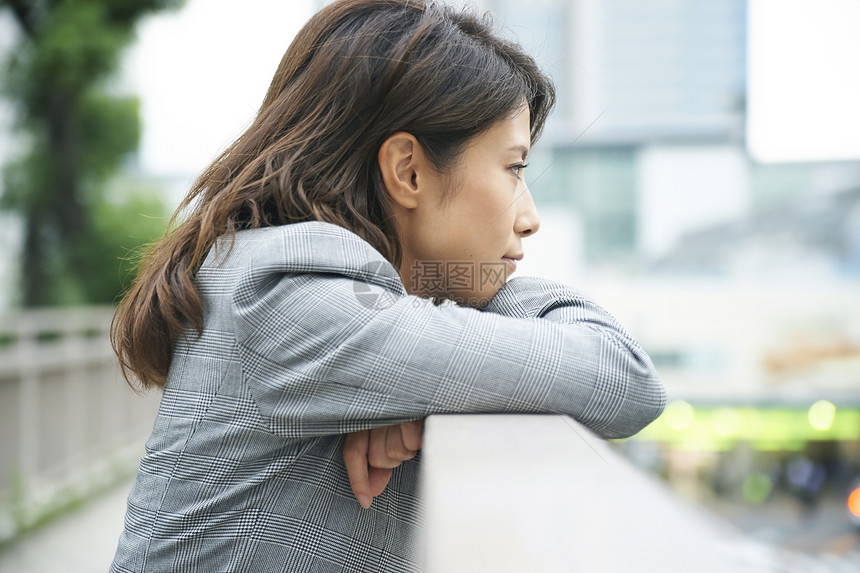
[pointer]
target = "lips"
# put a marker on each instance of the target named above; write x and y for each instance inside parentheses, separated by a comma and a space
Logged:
(511, 262)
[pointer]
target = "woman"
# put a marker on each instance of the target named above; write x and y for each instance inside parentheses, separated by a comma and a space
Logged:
(300, 319)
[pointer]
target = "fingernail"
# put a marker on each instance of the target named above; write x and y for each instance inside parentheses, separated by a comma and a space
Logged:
(364, 501)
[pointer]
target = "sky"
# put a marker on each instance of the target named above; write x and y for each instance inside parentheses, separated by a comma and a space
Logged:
(202, 73)
(804, 80)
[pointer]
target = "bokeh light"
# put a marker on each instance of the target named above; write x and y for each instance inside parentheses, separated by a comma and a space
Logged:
(726, 422)
(821, 415)
(854, 502)
(757, 487)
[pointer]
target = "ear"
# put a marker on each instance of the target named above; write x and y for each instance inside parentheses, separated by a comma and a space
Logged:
(399, 158)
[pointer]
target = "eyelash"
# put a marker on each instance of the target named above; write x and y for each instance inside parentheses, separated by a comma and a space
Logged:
(518, 169)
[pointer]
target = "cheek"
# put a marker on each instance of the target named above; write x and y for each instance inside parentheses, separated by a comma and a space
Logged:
(488, 197)
(498, 205)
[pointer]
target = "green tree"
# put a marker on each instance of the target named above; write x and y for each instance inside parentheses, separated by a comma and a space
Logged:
(77, 133)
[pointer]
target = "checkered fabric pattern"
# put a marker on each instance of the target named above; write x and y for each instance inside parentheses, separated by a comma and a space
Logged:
(309, 334)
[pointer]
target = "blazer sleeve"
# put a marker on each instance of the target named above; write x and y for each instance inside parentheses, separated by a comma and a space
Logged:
(320, 360)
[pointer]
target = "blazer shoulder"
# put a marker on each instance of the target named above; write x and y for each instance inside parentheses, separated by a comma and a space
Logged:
(306, 247)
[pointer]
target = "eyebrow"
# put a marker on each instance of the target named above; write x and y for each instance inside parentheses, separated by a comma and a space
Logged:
(521, 148)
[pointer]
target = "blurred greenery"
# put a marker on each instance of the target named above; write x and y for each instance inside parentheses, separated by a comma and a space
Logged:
(76, 134)
(775, 428)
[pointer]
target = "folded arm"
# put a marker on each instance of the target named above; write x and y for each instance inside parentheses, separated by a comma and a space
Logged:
(320, 361)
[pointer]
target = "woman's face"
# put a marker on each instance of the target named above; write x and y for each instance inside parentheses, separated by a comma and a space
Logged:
(464, 247)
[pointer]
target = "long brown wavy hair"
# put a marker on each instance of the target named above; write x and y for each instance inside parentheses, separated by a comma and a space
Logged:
(359, 71)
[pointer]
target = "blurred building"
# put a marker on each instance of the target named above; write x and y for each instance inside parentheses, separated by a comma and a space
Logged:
(647, 144)
(764, 340)
(816, 236)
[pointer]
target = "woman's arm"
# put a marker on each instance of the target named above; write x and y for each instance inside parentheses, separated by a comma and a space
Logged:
(319, 361)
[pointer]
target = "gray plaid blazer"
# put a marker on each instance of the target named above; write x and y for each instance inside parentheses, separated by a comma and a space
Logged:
(309, 334)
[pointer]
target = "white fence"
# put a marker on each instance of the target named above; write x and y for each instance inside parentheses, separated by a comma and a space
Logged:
(69, 423)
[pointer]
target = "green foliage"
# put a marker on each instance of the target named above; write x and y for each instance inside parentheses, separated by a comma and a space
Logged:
(120, 231)
(76, 47)
(76, 135)
(111, 246)
(27, 179)
(109, 129)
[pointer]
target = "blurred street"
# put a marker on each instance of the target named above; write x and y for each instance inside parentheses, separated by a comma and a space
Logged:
(82, 541)
(824, 528)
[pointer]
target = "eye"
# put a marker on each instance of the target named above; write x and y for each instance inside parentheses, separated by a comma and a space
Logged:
(518, 169)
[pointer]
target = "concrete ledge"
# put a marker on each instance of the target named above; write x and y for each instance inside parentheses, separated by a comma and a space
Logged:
(507, 493)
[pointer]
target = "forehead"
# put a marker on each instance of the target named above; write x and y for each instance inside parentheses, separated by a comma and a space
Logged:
(511, 134)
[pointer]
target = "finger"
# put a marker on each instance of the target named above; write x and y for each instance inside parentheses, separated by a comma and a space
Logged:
(394, 447)
(413, 434)
(379, 478)
(377, 452)
(355, 459)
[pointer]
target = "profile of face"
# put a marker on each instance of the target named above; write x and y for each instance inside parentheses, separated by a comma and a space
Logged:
(461, 230)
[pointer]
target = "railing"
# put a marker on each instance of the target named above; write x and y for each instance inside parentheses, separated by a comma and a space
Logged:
(517, 494)
(69, 423)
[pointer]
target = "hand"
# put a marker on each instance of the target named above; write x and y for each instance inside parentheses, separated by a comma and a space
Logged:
(370, 455)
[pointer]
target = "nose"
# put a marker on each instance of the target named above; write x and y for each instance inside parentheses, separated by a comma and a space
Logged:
(527, 222)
